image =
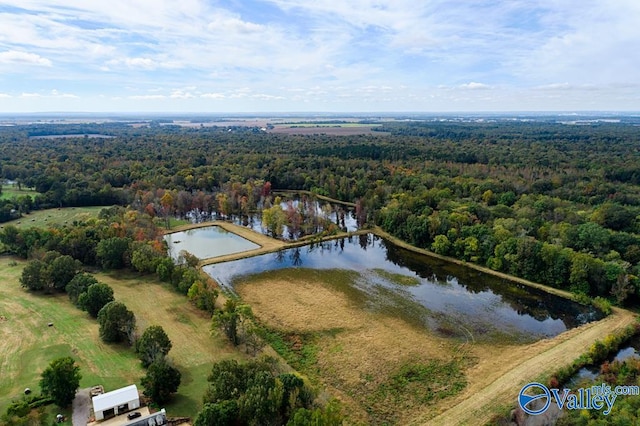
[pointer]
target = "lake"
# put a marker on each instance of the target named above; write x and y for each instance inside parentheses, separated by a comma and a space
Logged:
(210, 241)
(449, 299)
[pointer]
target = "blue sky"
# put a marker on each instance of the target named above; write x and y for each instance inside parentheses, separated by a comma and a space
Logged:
(319, 55)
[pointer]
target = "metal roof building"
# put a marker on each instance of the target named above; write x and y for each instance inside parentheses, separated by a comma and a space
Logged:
(116, 402)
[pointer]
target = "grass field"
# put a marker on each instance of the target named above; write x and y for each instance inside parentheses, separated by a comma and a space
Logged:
(11, 191)
(50, 217)
(28, 344)
(389, 371)
(382, 367)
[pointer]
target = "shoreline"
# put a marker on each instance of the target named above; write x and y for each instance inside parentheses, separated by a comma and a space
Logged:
(271, 245)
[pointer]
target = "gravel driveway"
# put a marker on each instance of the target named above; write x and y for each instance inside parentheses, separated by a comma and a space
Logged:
(81, 408)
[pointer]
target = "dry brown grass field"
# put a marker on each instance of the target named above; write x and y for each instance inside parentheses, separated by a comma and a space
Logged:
(359, 351)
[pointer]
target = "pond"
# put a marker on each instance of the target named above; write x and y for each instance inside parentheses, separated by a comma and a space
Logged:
(628, 350)
(303, 216)
(210, 241)
(337, 214)
(449, 299)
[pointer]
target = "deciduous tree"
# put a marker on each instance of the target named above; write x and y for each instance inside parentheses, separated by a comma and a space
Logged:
(95, 298)
(60, 380)
(117, 323)
(112, 252)
(34, 275)
(78, 285)
(161, 381)
(153, 345)
(62, 270)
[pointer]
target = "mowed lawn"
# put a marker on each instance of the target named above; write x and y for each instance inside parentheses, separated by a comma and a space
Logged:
(51, 217)
(194, 350)
(28, 344)
(11, 191)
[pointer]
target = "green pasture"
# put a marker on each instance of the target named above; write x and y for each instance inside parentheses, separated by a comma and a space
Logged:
(12, 191)
(28, 344)
(53, 217)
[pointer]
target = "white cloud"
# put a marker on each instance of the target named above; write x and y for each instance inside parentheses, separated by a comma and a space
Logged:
(213, 96)
(51, 94)
(147, 97)
(265, 97)
(141, 63)
(5, 96)
(179, 94)
(402, 54)
(57, 94)
(475, 86)
(18, 57)
(592, 44)
(226, 23)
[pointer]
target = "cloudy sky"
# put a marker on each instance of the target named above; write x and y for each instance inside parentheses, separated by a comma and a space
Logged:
(319, 55)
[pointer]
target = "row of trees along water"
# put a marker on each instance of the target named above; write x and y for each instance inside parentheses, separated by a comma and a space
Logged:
(542, 200)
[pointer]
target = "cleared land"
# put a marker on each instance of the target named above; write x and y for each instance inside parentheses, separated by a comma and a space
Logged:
(347, 129)
(358, 352)
(354, 351)
(51, 217)
(495, 381)
(11, 191)
(28, 344)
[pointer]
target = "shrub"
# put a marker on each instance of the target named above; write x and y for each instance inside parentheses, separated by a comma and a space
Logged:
(602, 304)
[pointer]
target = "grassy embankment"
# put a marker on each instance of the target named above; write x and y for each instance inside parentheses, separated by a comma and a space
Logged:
(321, 326)
(380, 366)
(28, 344)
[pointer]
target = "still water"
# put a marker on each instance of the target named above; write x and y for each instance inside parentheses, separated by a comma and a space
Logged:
(449, 299)
(210, 241)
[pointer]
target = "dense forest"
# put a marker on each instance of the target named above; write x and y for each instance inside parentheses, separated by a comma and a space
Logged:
(546, 201)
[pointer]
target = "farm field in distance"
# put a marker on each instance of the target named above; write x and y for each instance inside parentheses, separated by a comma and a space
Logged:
(57, 216)
(11, 191)
(28, 344)
(381, 298)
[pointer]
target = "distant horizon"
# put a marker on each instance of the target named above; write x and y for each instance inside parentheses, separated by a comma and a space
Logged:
(321, 113)
(279, 56)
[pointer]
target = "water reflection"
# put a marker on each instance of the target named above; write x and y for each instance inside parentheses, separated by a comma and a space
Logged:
(446, 297)
(207, 242)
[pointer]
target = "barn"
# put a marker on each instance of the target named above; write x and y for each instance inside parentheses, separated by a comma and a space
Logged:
(116, 402)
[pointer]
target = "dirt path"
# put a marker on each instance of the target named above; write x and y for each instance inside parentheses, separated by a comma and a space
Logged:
(501, 371)
(498, 387)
